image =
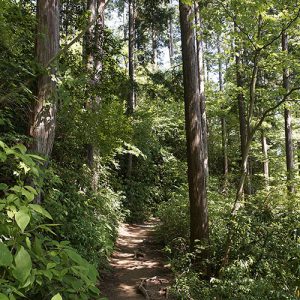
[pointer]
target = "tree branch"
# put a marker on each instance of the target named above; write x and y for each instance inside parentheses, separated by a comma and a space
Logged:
(271, 109)
(52, 60)
(288, 25)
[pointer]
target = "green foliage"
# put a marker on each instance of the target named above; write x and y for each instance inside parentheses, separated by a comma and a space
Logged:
(89, 216)
(158, 131)
(38, 258)
(32, 263)
(265, 258)
(88, 220)
(174, 215)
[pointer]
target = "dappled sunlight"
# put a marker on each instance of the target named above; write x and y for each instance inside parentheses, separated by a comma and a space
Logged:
(136, 260)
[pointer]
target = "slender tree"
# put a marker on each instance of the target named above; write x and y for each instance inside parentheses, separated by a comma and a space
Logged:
(131, 48)
(200, 58)
(131, 102)
(241, 107)
(93, 50)
(199, 229)
(154, 47)
(289, 149)
(223, 120)
(264, 144)
(171, 38)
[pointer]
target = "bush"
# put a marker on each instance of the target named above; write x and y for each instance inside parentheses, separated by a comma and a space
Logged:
(264, 259)
(32, 263)
(174, 216)
(89, 219)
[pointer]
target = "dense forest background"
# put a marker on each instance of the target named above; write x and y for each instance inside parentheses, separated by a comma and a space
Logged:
(114, 111)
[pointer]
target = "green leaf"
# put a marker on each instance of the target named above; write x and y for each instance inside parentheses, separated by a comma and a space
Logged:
(94, 290)
(36, 157)
(31, 189)
(6, 258)
(16, 189)
(37, 247)
(22, 218)
(74, 256)
(3, 297)
(3, 157)
(51, 265)
(21, 147)
(12, 297)
(28, 242)
(23, 265)
(28, 195)
(46, 273)
(57, 297)
(3, 187)
(39, 209)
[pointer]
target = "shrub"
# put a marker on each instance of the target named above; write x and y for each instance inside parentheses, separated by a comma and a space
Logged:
(32, 263)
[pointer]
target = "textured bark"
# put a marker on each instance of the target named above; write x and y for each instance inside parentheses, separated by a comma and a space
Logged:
(199, 229)
(242, 117)
(200, 55)
(94, 43)
(241, 105)
(131, 48)
(43, 124)
(131, 102)
(289, 149)
(223, 124)
(264, 145)
(171, 39)
(154, 47)
(206, 66)
(93, 54)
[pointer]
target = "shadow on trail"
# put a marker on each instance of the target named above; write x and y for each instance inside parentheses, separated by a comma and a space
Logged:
(138, 267)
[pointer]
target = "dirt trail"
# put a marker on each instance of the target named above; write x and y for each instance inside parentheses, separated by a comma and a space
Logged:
(138, 266)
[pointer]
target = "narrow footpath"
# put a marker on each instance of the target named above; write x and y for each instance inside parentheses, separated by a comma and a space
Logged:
(139, 269)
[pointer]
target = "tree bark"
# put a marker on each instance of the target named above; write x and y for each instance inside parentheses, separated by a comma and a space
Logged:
(199, 229)
(242, 113)
(154, 47)
(266, 158)
(93, 53)
(200, 55)
(43, 124)
(171, 39)
(131, 103)
(223, 124)
(289, 149)
(94, 44)
(131, 49)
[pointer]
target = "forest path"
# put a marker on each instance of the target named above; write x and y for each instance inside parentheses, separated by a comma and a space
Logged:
(138, 267)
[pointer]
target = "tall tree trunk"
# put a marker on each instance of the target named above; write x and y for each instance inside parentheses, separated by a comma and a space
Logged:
(199, 229)
(42, 127)
(264, 145)
(223, 123)
(125, 22)
(47, 45)
(131, 103)
(154, 47)
(200, 55)
(206, 66)
(93, 55)
(171, 38)
(242, 115)
(289, 149)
